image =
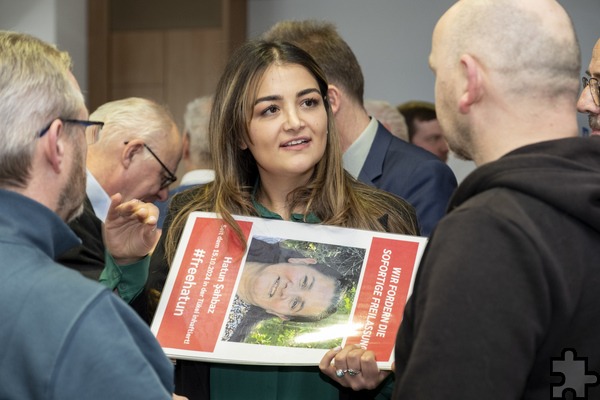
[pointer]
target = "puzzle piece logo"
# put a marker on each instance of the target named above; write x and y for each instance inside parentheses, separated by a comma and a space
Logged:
(576, 378)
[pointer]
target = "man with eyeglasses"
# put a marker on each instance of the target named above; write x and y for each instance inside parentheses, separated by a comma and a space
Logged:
(63, 336)
(136, 154)
(589, 101)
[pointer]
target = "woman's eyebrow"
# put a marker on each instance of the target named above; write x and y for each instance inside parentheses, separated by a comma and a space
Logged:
(273, 97)
(276, 97)
(307, 91)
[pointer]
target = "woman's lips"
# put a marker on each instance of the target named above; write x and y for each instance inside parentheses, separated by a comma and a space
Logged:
(295, 142)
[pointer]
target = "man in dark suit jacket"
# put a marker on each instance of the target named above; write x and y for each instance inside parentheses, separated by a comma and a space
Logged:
(371, 153)
(412, 173)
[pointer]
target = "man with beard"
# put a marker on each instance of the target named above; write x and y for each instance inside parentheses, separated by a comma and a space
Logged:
(589, 101)
(63, 336)
(506, 292)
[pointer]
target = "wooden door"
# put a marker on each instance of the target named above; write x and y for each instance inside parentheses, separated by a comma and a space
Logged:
(169, 51)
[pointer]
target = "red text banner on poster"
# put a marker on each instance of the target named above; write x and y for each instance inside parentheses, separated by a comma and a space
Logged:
(382, 295)
(203, 286)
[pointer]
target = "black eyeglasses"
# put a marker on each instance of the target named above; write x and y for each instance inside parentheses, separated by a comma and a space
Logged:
(92, 128)
(166, 180)
(594, 88)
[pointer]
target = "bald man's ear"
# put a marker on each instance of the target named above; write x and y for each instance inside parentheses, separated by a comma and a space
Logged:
(473, 90)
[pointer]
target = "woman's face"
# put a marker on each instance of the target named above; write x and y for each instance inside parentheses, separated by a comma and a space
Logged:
(288, 290)
(288, 128)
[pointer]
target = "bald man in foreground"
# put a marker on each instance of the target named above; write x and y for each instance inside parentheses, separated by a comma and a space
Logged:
(506, 295)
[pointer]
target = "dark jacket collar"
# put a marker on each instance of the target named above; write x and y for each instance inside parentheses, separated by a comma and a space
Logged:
(26, 222)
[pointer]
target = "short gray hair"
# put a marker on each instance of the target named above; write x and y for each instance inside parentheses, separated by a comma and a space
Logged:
(196, 120)
(133, 118)
(35, 87)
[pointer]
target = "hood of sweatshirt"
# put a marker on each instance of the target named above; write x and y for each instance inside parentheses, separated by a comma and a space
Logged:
(564, 173)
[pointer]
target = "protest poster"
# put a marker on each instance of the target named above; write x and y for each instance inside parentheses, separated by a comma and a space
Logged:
(296, 291)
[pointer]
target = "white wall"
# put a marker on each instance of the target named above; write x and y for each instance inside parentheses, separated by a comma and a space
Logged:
(71, 35)
(36, 17)
(63, 22)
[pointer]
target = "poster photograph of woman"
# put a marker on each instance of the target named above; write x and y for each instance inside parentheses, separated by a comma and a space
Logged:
(290, 288)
